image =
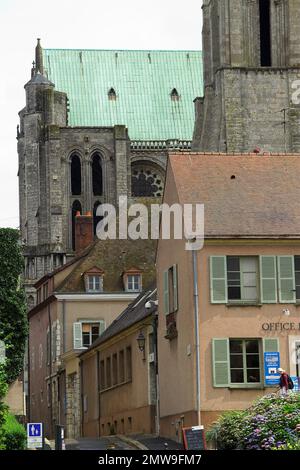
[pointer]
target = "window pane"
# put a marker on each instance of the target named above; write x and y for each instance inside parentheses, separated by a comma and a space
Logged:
(234, 293)
(86, 339)
(253, 375)
(237, 376)
(297, 263)
(236, 346)
(297, 275)
(233, 276)
(298, 292)
(236, 361)
(252, 360)
(252, 346)
(233, 263)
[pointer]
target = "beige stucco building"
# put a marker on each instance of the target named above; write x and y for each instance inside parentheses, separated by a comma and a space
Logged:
(241, 288)
(122, 398)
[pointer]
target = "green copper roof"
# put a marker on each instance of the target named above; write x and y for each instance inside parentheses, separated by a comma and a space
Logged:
(143, 82)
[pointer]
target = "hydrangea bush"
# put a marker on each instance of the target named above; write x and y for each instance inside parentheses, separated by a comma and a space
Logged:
(269, 424)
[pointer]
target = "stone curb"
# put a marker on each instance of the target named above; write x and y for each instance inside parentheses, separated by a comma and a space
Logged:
(132, 442)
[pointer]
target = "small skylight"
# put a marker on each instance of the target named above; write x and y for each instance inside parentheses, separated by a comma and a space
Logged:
(175, 95)
(112, 94)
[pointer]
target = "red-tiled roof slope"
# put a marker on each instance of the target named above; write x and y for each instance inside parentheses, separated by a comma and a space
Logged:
(244, 195)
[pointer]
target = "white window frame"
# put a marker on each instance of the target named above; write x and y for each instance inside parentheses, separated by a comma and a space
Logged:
(246, 384)
(94, 277)
(91, 323)
(139, 276)
(242, 286)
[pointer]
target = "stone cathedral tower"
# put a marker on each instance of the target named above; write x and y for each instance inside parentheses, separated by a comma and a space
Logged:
(251, 52)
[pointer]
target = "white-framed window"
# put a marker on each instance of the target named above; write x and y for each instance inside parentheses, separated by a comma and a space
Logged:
(242, 278)
(134, 282)
(94, 283)
(86, 332)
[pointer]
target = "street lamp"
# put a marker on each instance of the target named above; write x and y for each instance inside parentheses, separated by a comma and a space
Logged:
(141, 340)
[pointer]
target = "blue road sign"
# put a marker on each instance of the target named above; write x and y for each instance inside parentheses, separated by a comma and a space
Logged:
(34, 430)
(272, 363)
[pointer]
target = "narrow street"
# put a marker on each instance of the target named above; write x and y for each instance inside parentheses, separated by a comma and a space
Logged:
(106, 443)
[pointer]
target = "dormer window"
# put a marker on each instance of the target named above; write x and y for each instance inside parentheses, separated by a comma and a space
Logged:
(95, 283)
(94, 280)
(175, 95)
(132, 280)
(112, 95)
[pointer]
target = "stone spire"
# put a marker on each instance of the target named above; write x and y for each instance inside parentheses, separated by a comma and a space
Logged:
(39, 58)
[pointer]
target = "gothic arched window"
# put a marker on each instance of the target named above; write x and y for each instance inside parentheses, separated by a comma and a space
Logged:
(75, 175)
(97, 175)
(146, 180)
(76, 207)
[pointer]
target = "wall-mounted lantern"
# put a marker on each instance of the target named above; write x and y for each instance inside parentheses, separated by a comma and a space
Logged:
(141, 340)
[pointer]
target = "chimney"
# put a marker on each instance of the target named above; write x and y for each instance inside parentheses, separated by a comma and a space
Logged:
(84, 231)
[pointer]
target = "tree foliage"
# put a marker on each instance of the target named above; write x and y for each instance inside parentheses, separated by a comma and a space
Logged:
(13, 321)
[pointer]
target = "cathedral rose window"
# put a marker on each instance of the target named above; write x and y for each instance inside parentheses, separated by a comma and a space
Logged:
(146, 181)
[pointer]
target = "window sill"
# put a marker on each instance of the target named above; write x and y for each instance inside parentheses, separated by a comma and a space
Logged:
(257, 386)
(108, 389)
(244, 303)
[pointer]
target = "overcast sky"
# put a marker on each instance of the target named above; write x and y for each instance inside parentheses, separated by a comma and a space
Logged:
(90, 24)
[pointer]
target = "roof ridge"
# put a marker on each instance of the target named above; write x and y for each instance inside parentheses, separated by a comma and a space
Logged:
(120, 50)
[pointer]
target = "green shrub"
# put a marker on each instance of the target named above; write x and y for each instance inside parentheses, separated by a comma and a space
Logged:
(14, 434)
(269, 423)
(3, 407)
(226, 433)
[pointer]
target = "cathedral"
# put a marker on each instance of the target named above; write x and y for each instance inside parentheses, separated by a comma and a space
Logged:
(97, 124)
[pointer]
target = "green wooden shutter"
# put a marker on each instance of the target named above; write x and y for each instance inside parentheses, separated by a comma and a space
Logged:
(166, 292)
(268, 279)
(286, 276)
(218, 280)
(77, 335)
(221, 366)
(175, 289)
(270, 345)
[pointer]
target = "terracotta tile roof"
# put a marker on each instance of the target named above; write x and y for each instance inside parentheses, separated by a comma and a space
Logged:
(244, 195)
(113, 257)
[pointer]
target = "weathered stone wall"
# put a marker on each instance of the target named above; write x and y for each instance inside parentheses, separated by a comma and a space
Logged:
(244, 101)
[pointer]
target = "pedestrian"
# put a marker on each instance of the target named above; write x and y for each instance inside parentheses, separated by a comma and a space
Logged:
(283, 382)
